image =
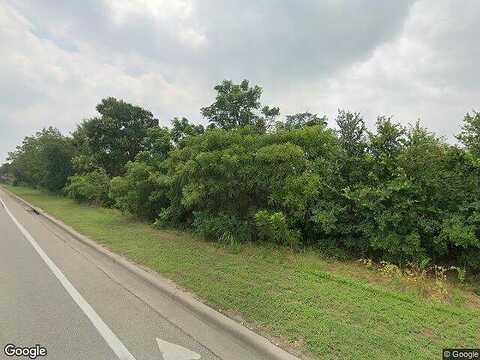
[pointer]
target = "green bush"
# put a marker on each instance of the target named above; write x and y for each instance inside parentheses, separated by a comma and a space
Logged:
(272, 227)
(142, 191)
(239, 171)
(393, 193)
(221, 227)
(93, 187)
(165, 219)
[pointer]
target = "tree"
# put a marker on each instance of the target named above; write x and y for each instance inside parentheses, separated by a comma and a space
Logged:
(334, 216)
(470, 134)
(352, 132)
(352, 135)
(58, 164)
(395, 193)
(238, 105)
(182, 128)
(6, 172)
(385, 146)
(297, 121)
(117, 136)
(43, 160)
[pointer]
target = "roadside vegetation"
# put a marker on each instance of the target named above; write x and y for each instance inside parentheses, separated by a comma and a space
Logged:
(398, 204)
(310, 303)
(395, 194)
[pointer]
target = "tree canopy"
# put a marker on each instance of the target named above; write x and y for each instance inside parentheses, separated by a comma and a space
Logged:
(470, 134)
(116, 136)
(391, 192)
(238, 105)
(43, 160)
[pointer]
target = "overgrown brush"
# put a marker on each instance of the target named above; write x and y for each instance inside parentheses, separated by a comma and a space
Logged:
(432, 280)
(398, 194)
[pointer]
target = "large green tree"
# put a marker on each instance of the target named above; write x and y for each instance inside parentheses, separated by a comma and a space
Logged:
(116, 136)
(43, 160)
(238, 105)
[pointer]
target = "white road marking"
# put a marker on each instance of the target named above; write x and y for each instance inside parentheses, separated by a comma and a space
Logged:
(175, 352)
(112, 340)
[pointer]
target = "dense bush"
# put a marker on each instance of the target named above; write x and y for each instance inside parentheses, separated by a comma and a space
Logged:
(92, 187)
(221, 227)
(417, 200)
(272, 227)
(236, 173)
(392, 193)
(142, 191)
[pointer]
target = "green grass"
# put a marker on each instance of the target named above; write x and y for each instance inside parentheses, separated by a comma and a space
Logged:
(325, 308)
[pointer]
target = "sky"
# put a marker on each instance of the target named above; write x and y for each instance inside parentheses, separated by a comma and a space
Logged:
(408, 59)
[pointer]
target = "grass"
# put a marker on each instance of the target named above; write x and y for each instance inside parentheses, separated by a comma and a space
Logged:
(321, 307)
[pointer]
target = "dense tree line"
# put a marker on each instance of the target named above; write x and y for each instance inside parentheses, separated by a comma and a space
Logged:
(396, 193)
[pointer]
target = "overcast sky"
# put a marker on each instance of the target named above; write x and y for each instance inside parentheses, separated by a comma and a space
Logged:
(410, 59)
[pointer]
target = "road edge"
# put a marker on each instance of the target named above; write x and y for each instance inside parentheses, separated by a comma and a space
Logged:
(167, 287)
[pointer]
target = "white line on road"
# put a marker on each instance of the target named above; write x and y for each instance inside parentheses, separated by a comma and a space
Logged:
(112, 340)
(172, 351)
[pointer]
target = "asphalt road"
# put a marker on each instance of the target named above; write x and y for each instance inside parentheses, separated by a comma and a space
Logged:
(64, 296)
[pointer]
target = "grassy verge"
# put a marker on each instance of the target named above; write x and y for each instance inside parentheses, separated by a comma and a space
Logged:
(324, 308)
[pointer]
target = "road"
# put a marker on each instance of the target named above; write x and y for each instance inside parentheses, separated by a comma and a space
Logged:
(79, 305)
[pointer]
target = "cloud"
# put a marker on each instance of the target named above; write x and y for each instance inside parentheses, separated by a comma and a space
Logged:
(427, 72)
(407, 58)
(44, 84)
(280, 41)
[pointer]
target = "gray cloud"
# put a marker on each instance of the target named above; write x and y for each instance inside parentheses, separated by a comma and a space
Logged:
(407, 58)
(268, 39)
(281, 41)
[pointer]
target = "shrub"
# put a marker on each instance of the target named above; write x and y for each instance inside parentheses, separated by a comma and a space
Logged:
(272, 227)
(221, 227)
(396, 194)
(239, 171)
(165, 219)
(141, 192)
(93, 187)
